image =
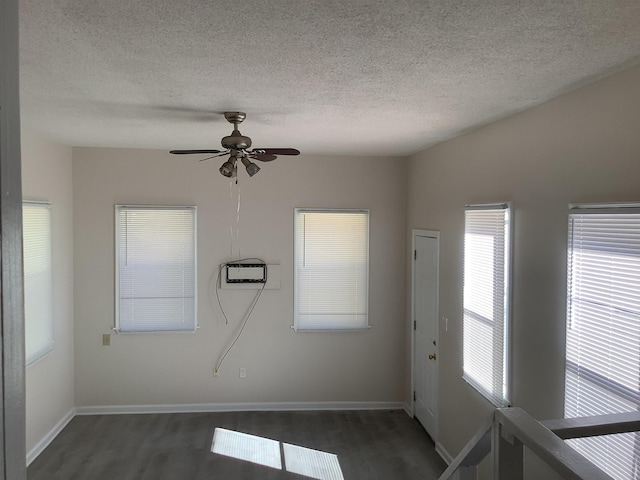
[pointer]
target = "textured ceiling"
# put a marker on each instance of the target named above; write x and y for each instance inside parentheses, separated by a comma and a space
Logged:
(374, 77)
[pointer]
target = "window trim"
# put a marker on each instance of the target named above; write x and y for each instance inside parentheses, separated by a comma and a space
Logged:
(299, 210)
(51, 339)
(508, 287)
(116, 327)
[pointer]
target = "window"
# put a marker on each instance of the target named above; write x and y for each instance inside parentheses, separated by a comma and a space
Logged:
(331, 269)
(603, 328)
(155, 269)
(38, 297)
(486, 300)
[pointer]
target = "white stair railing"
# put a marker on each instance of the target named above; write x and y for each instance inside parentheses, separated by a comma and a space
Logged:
(506, 434)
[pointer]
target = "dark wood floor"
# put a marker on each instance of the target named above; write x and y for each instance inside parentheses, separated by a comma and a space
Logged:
(370, 445)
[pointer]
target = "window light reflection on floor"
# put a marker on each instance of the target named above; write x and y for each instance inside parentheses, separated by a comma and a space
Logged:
(312, 463)
(250, 448)
(264, 451)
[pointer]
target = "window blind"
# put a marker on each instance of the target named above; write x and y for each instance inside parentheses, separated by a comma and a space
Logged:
(603, 329)
(486, 296)
(331, 269)
(156, 268)
(38, 295)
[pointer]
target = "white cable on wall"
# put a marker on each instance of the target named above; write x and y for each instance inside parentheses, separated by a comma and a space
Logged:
(244, 321)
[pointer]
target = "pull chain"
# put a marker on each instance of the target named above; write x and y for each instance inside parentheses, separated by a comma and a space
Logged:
(235, 239)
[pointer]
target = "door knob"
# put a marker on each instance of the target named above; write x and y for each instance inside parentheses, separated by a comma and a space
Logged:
(432, 356)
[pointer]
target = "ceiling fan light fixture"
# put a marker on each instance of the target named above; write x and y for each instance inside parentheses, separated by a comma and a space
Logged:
(251, 167)
(228, 169)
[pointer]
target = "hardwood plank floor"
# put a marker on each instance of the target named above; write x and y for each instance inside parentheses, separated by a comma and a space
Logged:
(385, 445)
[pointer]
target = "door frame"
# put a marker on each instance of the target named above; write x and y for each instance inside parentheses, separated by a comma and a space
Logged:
(12, 369)
(416, 232)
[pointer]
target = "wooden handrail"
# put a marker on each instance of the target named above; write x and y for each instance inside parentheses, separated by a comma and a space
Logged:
(581, 427)
(512, 429)
(550, 448)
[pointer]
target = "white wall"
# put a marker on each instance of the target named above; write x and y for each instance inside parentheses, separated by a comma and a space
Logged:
(581, 147)
(282, 366)
(46, 176)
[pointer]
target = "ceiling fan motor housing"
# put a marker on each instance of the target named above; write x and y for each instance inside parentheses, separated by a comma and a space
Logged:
(236, 141)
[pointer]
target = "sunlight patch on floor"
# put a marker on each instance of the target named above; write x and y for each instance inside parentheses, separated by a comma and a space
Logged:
(264, 451)
(250, 448)
(312, 463)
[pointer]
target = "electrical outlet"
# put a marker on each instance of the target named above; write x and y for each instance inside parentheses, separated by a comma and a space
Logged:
(243, 372)
(106, 339)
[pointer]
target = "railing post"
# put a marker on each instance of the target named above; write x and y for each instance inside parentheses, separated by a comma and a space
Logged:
(508, 454)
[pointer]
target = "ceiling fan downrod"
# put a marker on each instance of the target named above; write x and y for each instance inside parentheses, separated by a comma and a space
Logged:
(235, 141)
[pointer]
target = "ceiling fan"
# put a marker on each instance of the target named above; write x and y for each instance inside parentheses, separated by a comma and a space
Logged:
(237, 147)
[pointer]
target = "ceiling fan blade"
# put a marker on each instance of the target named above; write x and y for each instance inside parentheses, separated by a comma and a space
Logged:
(214, 156)
(263, 157)
(196, 152)
(276, 151)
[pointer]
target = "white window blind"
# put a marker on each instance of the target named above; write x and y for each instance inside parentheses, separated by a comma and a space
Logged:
(486, 299)
(603, 329)
(331, 269)
(156, 268)
(38, 296)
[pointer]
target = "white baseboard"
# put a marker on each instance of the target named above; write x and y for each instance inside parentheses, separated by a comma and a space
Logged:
(236, 407)
(50, 436)
(408, 408)
(446, 456)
